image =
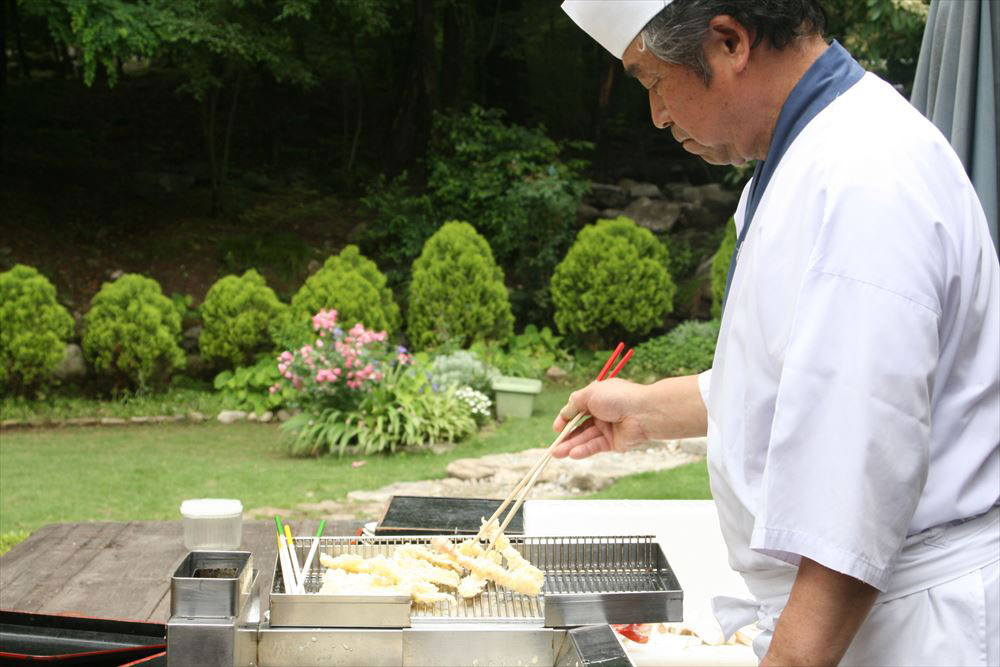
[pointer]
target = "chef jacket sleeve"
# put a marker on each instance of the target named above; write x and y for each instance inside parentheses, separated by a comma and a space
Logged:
(704, 385)
(847, 457)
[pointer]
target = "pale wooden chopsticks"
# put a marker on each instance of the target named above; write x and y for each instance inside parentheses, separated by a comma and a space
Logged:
(523, 487)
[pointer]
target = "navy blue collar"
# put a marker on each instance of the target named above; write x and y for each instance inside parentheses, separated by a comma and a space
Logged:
(826, 79)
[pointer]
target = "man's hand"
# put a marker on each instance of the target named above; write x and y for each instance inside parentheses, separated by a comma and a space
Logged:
(625, 414)
(823, 614)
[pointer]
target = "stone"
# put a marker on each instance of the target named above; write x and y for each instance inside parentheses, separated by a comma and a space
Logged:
(656, 215)
(116, 274)
(644, 190)
(555, 374)
(283, 415)
(193, 333)
(604, 196)
(443, 447)
(113, 421)
(195, 416)
(81, 421)
(694, 446)
(313, 266)
(251, 416)
(12, 423)
(266, 417)
(72, 368)
(585, 213)
(693, 215)
(627, 184)
(611, 213)
(140, 420)
(691, 194)
(231, 416)
(469, 469)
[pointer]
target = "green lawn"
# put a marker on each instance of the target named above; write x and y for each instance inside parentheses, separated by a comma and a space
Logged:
(144, 472)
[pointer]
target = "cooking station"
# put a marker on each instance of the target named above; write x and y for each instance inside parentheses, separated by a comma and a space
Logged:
(216, 616)
(60, 589)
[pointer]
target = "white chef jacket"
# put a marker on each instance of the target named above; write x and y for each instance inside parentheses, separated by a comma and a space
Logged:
(854, 401)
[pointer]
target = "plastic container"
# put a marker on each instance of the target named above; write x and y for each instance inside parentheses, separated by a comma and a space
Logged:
(212, 524)
(516, 396)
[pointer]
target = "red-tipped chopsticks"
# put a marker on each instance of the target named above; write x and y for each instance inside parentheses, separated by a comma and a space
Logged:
(524, 486)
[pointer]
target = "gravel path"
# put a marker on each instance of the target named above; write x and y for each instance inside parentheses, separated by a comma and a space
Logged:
(494, 475)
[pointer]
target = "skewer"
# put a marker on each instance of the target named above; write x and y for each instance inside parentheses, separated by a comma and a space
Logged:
(521, 490)
(312, 554)
(286, 568)
(294, 558)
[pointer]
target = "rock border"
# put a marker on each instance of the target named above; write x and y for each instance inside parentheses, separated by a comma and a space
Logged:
(194, 417)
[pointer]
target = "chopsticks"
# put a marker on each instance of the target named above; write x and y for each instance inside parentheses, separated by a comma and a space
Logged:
(523, 487)
(294, 576)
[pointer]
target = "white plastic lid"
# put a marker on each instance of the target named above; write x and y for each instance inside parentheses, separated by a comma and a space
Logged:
(211, 508)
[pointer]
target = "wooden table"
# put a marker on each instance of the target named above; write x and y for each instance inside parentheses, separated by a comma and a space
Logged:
(120, 570)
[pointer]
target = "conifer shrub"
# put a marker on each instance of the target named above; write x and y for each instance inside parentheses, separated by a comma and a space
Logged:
(34, 328)
(131, 333)
(720, 267)
(457, 292)
(613, 281)
(238, 314)
(351, 284)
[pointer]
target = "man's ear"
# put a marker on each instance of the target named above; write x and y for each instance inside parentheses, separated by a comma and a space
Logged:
(728, 41)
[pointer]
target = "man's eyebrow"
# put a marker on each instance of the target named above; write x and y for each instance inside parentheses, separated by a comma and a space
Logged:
(633, 71)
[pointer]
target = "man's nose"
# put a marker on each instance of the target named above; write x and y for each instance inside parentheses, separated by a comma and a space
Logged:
(658, 111)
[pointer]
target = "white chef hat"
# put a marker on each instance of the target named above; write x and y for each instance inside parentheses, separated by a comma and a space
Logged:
(613, 23)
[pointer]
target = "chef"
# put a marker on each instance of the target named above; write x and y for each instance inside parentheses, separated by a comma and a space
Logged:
(853, 409)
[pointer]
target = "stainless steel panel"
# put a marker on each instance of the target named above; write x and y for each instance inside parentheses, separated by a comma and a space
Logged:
(196, 641)
(483, 646)
(573, 609)
(295, 647)
(592, 646)
(194, 595)
(340, 611)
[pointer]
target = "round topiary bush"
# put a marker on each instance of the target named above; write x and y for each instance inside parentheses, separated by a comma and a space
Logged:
(238, 314)
(457, 293)
(34, 328)
(131, 332)
(720, 267)
(351, 284)
(613, 280)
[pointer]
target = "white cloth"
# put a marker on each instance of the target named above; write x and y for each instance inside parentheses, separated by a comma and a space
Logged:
(855, 395)
(613, 23)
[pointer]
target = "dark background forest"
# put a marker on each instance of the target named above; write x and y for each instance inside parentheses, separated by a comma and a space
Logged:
(188, 139)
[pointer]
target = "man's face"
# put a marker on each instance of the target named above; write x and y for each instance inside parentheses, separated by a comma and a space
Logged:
(700, 117)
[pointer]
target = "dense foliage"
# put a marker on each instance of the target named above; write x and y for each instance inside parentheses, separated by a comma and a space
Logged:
(529, 354)
(720, 267)
(131, 331)
(238, 313)
(34, 328)
(464, 369)
(249, 387)
(614, 280)
(351, 284)
(457, 294)
(686, 349)
(510, 182)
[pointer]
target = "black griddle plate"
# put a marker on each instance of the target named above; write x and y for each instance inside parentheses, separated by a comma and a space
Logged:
(418, 515)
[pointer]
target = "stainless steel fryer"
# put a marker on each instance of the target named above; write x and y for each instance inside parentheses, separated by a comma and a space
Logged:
(589, 583)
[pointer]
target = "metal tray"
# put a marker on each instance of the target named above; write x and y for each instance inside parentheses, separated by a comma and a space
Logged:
(588, 580)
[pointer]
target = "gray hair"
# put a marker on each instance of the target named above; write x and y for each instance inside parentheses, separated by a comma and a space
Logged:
(677, 34)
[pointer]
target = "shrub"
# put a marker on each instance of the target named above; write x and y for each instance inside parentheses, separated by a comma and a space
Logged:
(528, 354)
(353, 286)
(237, 313)
(249, 387)
(687, 349)
(334, 370)
(720, 267)
(513, 183)
(463, 368)
(131, 332)
(34, 328)
(614, 280)
(457, 293)
(402, 409)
